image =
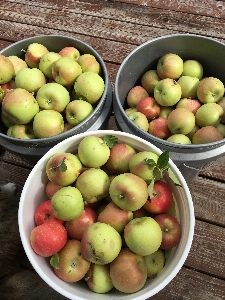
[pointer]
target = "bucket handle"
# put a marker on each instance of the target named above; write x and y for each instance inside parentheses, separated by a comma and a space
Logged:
(206, 166)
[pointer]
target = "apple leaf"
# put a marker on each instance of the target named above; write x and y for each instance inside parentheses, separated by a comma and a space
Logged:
(110, 140)
(54, 261)
(163, 160)
(62, 166)
(150, 188)
(173, 177)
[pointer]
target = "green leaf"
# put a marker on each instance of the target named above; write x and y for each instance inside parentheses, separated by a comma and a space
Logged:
(150, 188)
(62, 166)
(110, 140)
(150, 162)
(173, 177)
(163, 160)
(54, 261)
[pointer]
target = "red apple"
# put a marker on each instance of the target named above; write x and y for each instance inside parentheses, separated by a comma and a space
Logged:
(51, 188)
(159, 128)
(75, 228)
(149, 107)
(48, 238)
(161, 200)
(44, 213)
(171, 230)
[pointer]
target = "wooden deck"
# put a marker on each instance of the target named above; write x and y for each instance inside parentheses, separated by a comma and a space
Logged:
(114, 29)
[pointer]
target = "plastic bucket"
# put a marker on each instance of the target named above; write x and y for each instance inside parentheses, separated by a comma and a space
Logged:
(190, 159)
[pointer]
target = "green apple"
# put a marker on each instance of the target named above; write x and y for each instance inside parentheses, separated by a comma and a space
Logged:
(139, 119)
(100, 243)
(93, 152)
(53, 96)
(5, 121)
(181, 120)
(207, 134)
(221, 128)
(93, 184)
(221, 102)
(165, 111)
(139, 167)
(34, 53)
(210, 90)
(5, 88)
(18, 63)
(143, 235)
(30, 79)
(22, 131)
(135, 94)
(191, 133)
(128, 191)
(48, 123)
(46, 62)
(167, 92)
(209, 114)
(189, 86)
(19, 106)
(155, 262)
(128, 271)
(77, 111)
(6, 69)
(190, 104)
(71, 52)
(179, 138)
(89, 63)
(65, 71)
(170, 65)
(62, 169)
(149, 80)
(98, 278)
(67, 203)
(130, 110)
(72, 267)
(90, 86)
(192, 68)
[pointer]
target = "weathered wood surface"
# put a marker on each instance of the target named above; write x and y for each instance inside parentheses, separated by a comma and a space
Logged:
(114, 28)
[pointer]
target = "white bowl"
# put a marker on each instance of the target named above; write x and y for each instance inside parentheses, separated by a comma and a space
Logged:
(34, 193)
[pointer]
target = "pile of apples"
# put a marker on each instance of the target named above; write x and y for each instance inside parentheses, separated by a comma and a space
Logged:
(48, 93)
(176, 103)
(109, 217)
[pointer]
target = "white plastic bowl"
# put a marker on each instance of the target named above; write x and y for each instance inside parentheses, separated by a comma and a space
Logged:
(34, 193)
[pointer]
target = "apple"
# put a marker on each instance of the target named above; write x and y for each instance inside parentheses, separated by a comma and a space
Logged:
(130, 110)
(67, 203)
(76, 227)
(90, 86)
(6, 87)
(143, 235)
(67, 127)
(34, 53)
(159, 128)
(149, 107)
(179, 138)
(191, 133)
(19, 106)
(128, 191)
(207, 134)
(53, 96)
(181, 120)
(221, 128)
(93, 152)
(93, 184)
(210, 90)
(209, 114)
(118, 161)
(6, 69)
(165, 111)
(100, 243)
(48, 238)
(51, 188)
(190, 104)
(155, 262)
(171, 230)
(30, 79)
(89, 63)
(22, 131)
(44, 213)
(77, 111)
(149, 80)
(5, 121)
(189, 86)
(46, 62)
(170, 65)
(128, 272)
(167, 92)
(221, 102)
(48, 123)
(18, 63)
(135, 94)
(161, 199)
(62, 169)
(139, 119)
(98, 278)
(192, 68)
(139, 167)
(115, 216)
(65, 71)
(141, 212)
(72, 267)
(71, 52)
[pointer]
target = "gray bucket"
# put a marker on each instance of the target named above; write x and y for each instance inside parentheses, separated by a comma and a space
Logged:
(190, 159)
(32, 150)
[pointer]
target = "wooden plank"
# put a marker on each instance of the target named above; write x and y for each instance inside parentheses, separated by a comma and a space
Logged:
(216, 169)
